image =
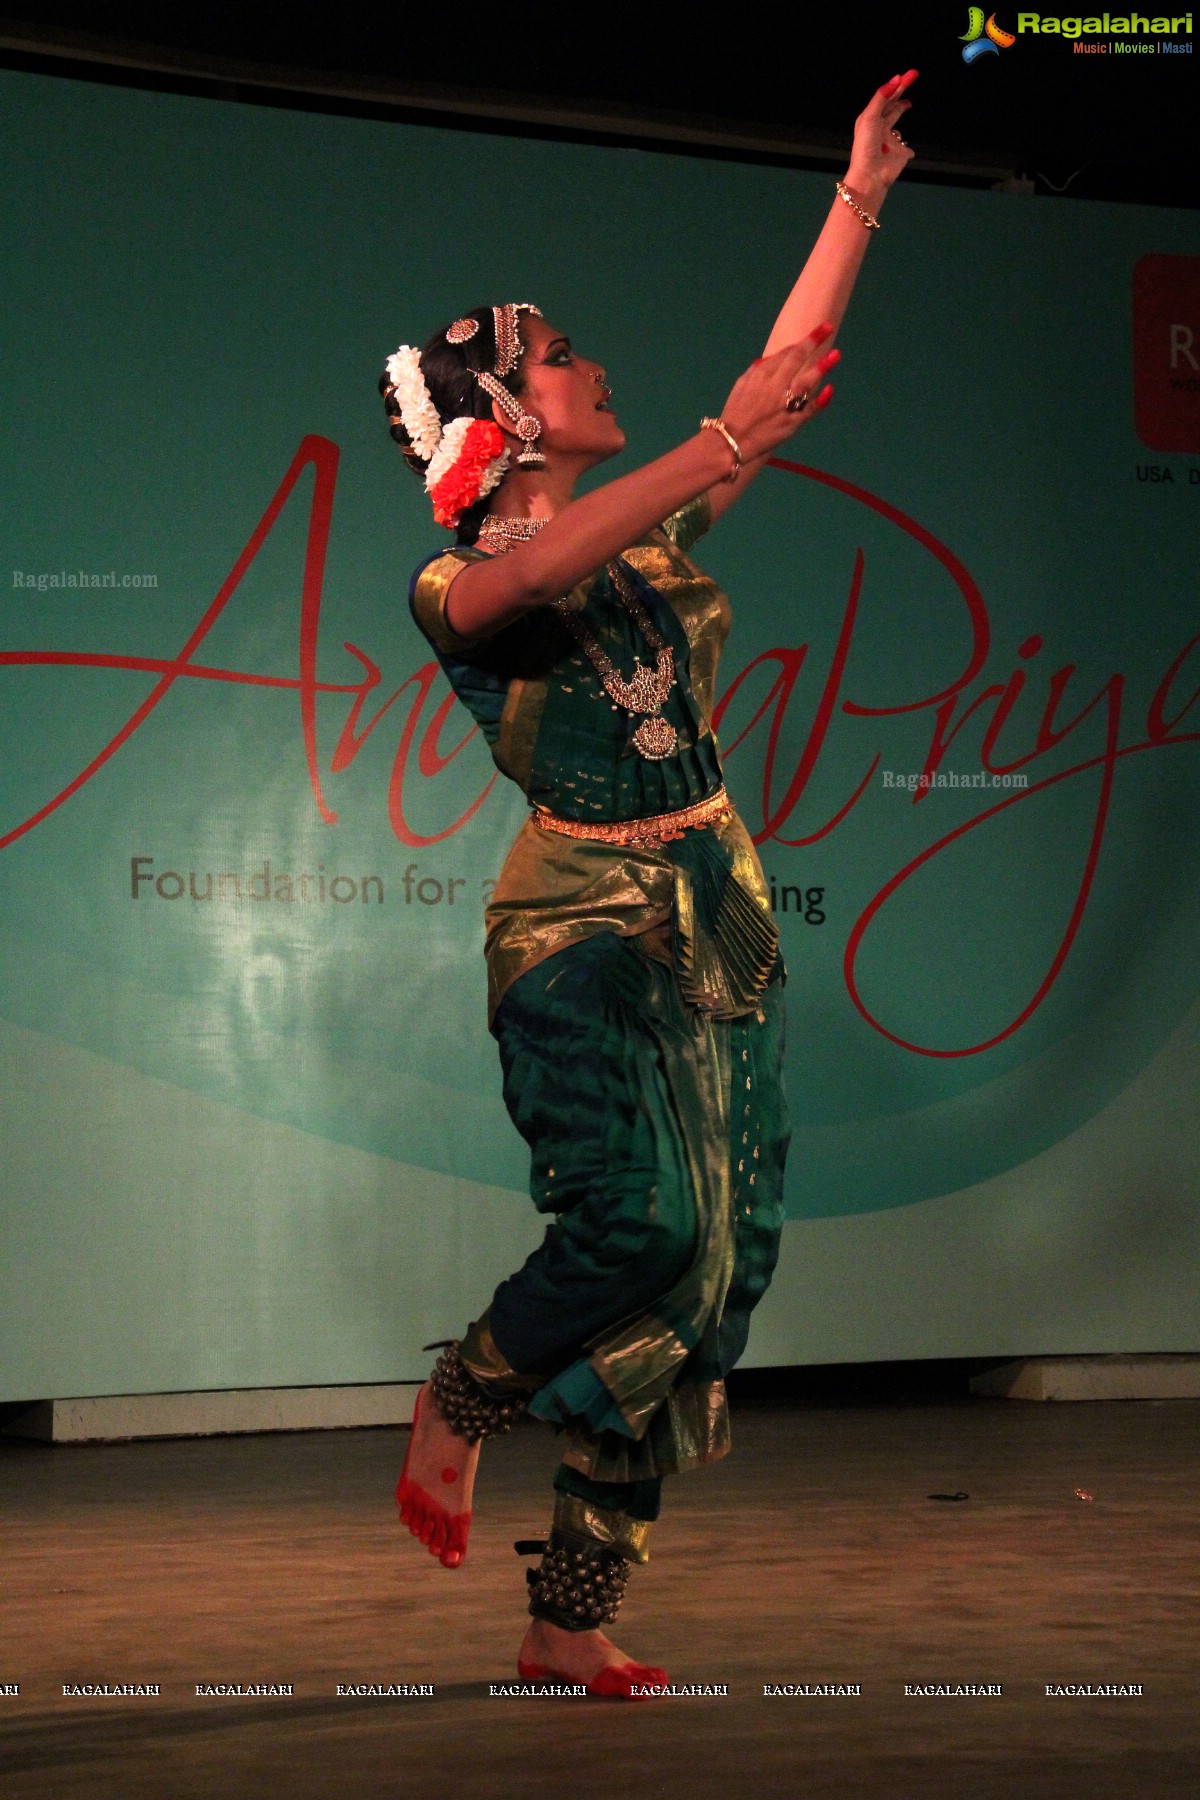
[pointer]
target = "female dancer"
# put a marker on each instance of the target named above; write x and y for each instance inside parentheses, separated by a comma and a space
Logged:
(635, 981)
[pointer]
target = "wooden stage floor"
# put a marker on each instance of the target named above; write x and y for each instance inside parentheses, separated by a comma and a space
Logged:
(812, 1555)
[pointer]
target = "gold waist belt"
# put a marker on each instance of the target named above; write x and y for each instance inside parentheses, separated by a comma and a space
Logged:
(659, 828)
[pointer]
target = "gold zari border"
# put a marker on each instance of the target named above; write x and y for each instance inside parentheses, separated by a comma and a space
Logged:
(486, 1363)
(602, 1525)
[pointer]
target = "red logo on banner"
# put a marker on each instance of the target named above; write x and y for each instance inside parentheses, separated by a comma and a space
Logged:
(420, 754)
(1166, 352)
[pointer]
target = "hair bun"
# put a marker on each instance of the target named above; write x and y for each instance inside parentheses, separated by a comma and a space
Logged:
(437, 390)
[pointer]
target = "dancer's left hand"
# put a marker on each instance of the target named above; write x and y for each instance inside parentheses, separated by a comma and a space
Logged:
(880, 154)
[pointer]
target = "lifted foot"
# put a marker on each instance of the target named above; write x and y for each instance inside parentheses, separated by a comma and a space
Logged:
(437, 1483)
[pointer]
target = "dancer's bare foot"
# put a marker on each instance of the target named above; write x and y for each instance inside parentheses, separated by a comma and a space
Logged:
(437, 1483)
(588, 1657)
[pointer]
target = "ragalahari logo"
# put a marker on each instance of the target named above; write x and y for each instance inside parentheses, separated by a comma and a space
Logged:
(983, 39)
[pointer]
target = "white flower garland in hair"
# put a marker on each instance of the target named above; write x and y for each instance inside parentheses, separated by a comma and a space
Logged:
(449, 451)
(417, 411)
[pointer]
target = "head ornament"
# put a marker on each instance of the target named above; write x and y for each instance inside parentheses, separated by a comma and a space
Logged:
(468, 457)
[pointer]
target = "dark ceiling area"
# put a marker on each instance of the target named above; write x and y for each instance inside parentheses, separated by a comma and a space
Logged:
(1038, 115)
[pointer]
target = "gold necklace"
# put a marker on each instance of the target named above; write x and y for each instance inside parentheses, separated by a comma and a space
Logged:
(647, 689)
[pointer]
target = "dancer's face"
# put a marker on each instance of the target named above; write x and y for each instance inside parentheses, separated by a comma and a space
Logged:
(568, 394)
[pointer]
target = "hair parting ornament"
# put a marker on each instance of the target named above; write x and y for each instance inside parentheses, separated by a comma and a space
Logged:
(468, 457)
(508, 336)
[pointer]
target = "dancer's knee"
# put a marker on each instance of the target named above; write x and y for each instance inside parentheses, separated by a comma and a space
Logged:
(649, 1242)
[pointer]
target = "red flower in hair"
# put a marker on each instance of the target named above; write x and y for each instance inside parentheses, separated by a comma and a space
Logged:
(472, 472)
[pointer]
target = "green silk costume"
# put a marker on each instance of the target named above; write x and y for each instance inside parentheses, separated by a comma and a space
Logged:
(635, 992)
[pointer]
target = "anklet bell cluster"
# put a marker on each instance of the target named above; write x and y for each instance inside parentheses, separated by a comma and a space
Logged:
(577, 1585)
(467, 1408)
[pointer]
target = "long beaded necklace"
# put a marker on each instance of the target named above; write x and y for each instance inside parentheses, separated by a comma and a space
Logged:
(647, 690)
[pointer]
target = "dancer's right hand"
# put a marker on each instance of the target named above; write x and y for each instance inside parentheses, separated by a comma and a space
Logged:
(756, 411)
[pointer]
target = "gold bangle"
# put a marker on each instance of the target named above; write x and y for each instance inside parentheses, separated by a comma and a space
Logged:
(868, 219)
(720, 425)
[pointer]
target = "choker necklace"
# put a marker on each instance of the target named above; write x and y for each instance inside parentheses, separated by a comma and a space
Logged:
(501, 534)
(648, 688)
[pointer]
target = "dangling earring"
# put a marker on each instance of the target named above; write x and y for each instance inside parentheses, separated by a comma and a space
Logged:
(529, 431)
(527, 428)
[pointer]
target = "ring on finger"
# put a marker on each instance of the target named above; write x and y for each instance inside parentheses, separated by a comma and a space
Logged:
(796, 402)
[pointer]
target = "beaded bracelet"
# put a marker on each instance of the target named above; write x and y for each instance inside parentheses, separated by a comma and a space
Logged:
(868, 219)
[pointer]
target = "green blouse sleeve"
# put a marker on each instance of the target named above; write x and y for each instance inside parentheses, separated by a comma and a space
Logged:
(689, 523)
(429, 600)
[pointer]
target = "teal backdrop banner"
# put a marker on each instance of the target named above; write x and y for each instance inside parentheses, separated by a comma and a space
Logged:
(253, 1132)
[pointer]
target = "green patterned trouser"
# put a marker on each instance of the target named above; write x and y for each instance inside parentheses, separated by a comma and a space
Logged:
(658, 1137)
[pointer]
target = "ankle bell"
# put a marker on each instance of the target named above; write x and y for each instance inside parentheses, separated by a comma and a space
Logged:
(467, 1408)
(578, 1585)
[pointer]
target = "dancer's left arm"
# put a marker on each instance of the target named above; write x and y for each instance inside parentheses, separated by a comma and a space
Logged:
(826, 282)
